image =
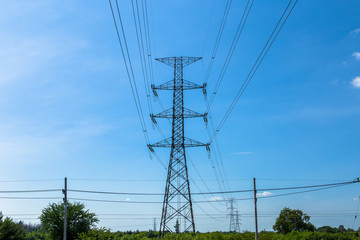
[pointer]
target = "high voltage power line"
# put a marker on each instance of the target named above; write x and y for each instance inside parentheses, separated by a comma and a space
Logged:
(288, 10)
(231, 51)
(131, 76)
(218, 39)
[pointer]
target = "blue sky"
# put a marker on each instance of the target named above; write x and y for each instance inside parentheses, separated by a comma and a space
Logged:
(67, 111)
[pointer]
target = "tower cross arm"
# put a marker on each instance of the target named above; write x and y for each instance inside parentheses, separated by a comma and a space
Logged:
(193, 143)
(167, 143)
(188, 113)
(171, 61)
(169, 85)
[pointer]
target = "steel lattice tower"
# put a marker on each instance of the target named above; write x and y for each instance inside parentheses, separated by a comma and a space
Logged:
(177, 203)
(234, 217)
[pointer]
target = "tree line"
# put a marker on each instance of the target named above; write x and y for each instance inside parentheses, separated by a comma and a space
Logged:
(81, 225)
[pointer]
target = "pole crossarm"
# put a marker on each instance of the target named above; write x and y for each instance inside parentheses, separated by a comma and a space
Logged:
(172, 61)
(188, 113)
(169, 85)
(188, 142)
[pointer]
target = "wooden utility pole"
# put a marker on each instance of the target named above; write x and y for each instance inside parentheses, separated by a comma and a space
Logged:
(65, 208)
(255, 204)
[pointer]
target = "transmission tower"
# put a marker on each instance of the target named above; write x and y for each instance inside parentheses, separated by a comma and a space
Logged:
(177, 203)
(234, 217)
(237, 221)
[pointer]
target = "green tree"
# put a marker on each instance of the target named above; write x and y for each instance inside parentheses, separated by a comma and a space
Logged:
(97, 234)
(79, 220)
(9, 230)
(37, 235)
(292, 220)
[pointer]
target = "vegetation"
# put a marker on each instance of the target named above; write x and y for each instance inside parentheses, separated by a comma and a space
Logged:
(292, 220)
(9, 230)
(79, 220)
(290, 225)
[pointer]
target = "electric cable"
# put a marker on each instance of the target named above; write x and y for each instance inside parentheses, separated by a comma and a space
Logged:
(256, 65)
(129, 70)
(231, 51)
(218, 39)
(219, 192)
(31, 191)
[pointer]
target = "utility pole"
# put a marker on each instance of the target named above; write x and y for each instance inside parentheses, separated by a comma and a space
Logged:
(177, 203)
(154, 229)
(65, 208)
(255, 205)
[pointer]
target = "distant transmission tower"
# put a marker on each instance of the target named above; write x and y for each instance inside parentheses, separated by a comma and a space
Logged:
(177, 203)
(237, 221)
(154, 228)
(234, 217)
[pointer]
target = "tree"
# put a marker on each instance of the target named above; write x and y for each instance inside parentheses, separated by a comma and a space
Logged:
(98, 234)
(9, 230)
(79, 220)
(292, 220)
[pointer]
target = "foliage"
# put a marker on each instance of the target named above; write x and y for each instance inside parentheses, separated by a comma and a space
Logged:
(104, 234)
(9, 230)
(97, 234)
(79, 220)
(292, 220)
(38, 235)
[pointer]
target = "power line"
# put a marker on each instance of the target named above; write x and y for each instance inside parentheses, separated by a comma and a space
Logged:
(206, 201)
(31, 180)
(140, 43)
(231, 51)
(256, 65)
(32, 198)
(219, 192)
(227, 60)
(218, 38)
(32, 191)
(128, 66)
(207, 180)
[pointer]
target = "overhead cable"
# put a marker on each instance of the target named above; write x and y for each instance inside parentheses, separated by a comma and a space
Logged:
(256, 65)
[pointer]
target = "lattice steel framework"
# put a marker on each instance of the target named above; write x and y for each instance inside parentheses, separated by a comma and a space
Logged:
(177, 205)
(234, 217)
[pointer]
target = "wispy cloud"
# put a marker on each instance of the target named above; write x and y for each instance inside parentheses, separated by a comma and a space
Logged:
(38, 142)
(264, 194)
(356, 82)
(128, 199)
(356, 31)
(356, 55)
(215, 198)
(242, 153)
(20, 58)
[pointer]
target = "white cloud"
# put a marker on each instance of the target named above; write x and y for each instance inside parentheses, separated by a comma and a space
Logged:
(128, 199)
(242, 153)
(264, 194)
(356, 31)
(356, 55)
(215, 198)
(356, 82)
